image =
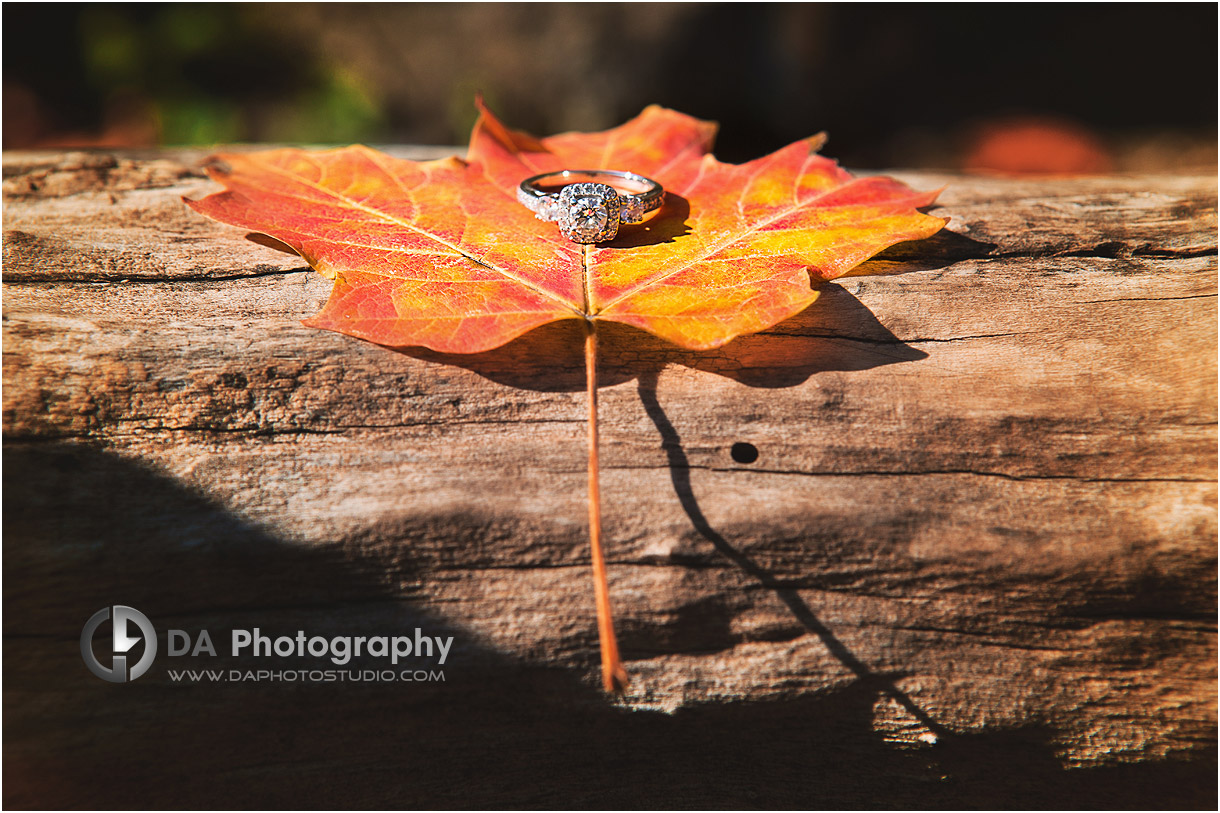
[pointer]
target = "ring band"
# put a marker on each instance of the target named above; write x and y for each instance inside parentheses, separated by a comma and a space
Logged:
(589, 211)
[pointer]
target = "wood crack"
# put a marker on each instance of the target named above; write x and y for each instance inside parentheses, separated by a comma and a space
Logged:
(1149, 299)
(110, 279)
(932, 473)
(1102, 251)
(23, 437)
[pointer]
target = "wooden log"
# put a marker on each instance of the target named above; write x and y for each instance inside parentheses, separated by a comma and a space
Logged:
(972, 561)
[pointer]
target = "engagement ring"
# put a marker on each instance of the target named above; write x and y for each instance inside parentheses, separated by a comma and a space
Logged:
(589, 211)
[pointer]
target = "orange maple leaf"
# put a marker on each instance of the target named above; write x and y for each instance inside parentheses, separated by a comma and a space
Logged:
(441, 254)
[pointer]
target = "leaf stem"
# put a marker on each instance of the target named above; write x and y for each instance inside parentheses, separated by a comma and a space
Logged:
(614, 677)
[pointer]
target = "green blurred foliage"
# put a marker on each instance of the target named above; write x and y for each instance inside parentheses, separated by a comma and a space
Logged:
(199, 73)
(340, 109)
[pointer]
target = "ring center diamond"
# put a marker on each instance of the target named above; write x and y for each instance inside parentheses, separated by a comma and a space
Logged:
(589, 212)
(589, 215)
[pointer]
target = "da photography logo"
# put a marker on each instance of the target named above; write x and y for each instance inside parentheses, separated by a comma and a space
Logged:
(123, 620)
(129, 628)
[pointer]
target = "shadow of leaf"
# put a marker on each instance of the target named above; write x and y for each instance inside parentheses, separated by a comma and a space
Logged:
(938, 251)
(836, 333)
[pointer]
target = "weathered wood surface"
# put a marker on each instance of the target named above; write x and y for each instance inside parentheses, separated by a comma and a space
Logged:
(974, 563)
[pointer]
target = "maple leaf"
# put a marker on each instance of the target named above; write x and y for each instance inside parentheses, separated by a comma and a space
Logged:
(441, 254)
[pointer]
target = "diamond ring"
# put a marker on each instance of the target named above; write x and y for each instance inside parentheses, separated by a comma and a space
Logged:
(589, 211)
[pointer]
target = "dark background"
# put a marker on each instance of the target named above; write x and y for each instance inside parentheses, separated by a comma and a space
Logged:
(1086, 88)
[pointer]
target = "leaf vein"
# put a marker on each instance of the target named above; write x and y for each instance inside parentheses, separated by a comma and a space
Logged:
(412, 227)
(736, 237)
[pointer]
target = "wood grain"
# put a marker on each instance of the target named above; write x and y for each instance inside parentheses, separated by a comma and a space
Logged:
(973, 564)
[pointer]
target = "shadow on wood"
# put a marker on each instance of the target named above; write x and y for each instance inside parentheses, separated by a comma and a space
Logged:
(679, 471)
(85, 528)
(938, 251)
(835, 333)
